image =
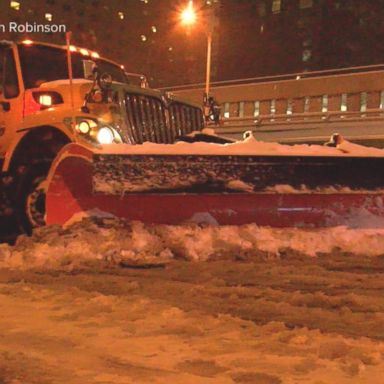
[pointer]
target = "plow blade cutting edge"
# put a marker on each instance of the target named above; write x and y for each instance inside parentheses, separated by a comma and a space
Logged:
(173, 189)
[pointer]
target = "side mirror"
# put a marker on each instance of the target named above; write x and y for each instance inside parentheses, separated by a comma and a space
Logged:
(89, 69)
(105, 81)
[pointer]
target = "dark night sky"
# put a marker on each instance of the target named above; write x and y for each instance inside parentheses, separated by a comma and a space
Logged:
(251, 37)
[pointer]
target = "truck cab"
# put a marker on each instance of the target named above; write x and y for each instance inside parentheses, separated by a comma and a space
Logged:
(50, 97)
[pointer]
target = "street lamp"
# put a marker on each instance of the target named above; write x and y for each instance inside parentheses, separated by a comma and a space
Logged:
(189, 17)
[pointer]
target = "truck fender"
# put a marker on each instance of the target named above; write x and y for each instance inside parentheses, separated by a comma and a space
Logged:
(25, 139)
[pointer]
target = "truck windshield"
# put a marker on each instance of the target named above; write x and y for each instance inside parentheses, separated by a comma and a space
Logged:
(40, 63)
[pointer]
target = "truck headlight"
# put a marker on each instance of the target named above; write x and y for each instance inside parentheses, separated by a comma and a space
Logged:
(84, 126)
(94, 131)
(105, 135)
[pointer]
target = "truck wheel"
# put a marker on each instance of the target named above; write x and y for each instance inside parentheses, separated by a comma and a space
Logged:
(35, 203)
(30, 197)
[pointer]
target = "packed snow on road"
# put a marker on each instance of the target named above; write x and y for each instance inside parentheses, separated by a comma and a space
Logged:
(107, 301)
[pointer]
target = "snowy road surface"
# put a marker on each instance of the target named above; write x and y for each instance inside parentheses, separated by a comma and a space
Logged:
(240, 317)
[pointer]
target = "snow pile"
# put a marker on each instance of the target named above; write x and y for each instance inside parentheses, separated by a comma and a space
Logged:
(359, 218)
(117, 242)
(249, 146)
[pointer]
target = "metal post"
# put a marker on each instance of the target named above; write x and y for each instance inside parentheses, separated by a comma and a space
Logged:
(208, 77)
(209, 57)
(68, 36)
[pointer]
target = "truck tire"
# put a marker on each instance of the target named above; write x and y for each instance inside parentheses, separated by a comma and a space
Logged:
(30, 196)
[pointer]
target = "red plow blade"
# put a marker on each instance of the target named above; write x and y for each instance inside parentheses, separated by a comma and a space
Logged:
(72, 190)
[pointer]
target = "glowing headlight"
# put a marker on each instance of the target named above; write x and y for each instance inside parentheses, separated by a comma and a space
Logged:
(83, 126)
(105, 136)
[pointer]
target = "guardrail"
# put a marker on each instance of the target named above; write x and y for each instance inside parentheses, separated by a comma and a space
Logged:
(347, 98)
(289, 76)
(239, 123)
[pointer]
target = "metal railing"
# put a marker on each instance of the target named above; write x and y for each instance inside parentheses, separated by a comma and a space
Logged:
(271, 122)
(274, 78)
(349, 99)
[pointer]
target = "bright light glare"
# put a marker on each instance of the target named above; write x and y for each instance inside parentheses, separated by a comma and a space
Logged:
(27, 42)
(15, 5)
(105, 136)
(83, 127)
(45, 100)
(84, 52)
(188, 16)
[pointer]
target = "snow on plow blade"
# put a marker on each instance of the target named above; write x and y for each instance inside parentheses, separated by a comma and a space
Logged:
(215, 189)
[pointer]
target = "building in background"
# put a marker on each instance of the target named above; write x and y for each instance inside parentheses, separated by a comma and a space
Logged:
(270, 37)
(144, 35)
(251, 37)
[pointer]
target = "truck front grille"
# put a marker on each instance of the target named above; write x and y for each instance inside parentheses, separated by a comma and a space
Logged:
(151, 120)
(184, 118)
(147, 118)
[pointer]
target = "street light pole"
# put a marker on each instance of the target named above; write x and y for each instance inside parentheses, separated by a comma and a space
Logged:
(188, 17)
(206, 100)
(209, 58)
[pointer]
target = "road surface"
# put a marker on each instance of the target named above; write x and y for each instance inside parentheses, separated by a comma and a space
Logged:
(265, 320)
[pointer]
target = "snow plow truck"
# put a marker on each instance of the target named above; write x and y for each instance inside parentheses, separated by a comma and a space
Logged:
(41, 111)
(77, 135)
